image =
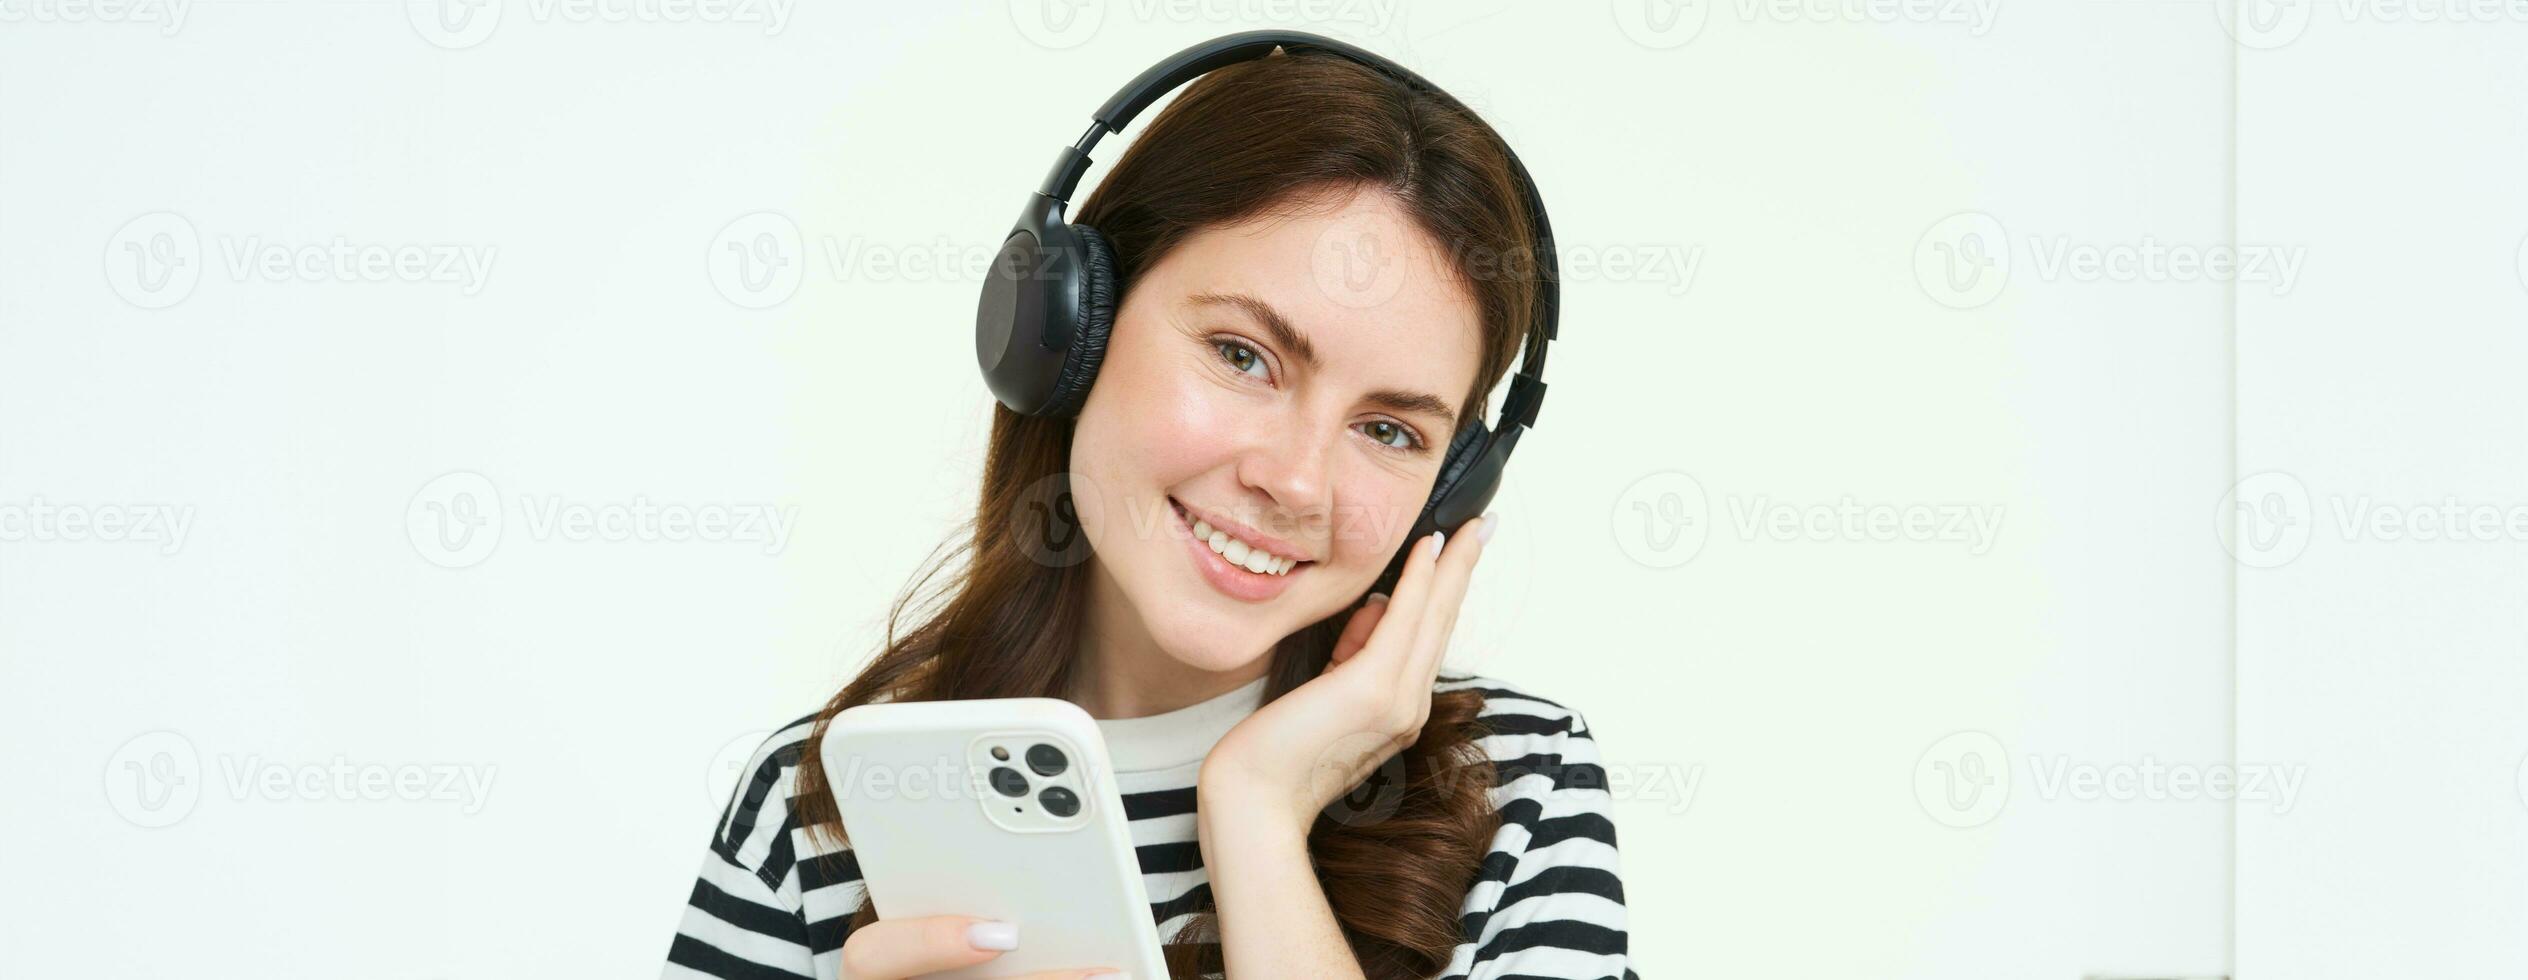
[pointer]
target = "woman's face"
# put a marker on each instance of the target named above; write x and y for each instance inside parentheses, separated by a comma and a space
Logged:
(1291, 382)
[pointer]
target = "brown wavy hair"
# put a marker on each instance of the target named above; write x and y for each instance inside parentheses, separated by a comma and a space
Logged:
(1260, 137)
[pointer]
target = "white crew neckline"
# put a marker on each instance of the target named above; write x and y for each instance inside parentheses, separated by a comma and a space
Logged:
(1181, 737)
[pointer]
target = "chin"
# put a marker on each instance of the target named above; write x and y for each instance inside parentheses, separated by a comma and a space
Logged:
(1205, 642)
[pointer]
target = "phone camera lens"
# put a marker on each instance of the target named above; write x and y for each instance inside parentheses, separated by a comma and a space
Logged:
(1046, 760)
(1058, 801)
(1008, 781)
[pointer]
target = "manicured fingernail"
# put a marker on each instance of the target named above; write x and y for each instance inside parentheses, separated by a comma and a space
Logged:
(1491, 519)
(1377, 597)
(992, 935)
(1439, 540)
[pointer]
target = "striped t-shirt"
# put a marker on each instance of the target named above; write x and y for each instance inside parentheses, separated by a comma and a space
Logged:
(1548, 900)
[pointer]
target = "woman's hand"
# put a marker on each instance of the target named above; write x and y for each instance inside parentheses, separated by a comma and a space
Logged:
(895, 949)
(1291, 758)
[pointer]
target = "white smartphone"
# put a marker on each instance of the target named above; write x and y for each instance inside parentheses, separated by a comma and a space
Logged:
(1002, 808)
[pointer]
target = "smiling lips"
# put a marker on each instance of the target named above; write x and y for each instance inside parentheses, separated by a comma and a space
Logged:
(1234, 566)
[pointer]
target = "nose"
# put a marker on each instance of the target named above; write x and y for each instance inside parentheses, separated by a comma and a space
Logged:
(1287, 461)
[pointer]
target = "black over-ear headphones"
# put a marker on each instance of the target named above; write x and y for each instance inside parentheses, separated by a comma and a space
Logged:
(1050, 298)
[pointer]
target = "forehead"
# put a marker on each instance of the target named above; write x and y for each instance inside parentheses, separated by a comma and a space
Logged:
(1376, 295)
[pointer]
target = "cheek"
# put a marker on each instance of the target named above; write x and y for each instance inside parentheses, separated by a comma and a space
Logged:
(1179, 427)
(1149, 430)
(1383, 506)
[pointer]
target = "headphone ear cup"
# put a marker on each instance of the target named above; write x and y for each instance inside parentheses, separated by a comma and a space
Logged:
(1463, 450)
(1100, 287)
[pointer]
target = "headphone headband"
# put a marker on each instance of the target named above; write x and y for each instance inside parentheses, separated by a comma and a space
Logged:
(1527, 385)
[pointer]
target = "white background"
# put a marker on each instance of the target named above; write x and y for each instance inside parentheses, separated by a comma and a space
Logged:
(1837, 260)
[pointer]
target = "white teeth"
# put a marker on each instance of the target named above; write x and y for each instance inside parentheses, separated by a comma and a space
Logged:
(1240, 553)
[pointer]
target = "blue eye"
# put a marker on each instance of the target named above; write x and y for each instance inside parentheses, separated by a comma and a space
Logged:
(1230, 351)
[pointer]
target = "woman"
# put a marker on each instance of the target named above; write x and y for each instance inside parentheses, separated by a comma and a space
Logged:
(1311, 793)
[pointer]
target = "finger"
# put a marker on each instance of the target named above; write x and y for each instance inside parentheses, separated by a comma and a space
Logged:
(893, 949)
(1449, 579)
(1357, 632)
(1406, 609)
(1100, 972)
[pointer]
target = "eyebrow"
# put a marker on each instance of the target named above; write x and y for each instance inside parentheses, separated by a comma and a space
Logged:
(1289, 337)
